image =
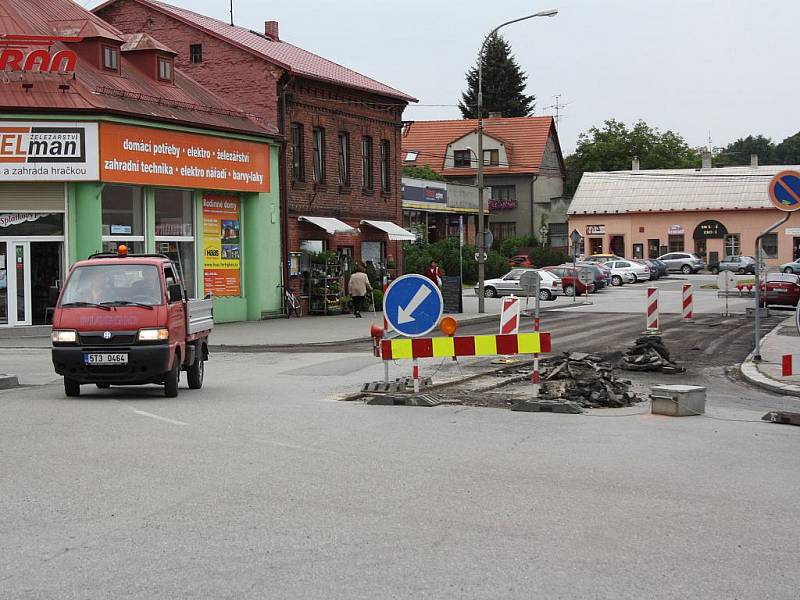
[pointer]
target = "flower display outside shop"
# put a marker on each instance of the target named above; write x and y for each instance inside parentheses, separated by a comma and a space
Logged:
(504, 204)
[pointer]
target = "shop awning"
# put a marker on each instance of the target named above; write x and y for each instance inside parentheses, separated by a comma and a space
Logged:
(329, 224)
(395, 231)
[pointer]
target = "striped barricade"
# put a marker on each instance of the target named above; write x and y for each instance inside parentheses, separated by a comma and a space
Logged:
(791, 365)
(468, 345)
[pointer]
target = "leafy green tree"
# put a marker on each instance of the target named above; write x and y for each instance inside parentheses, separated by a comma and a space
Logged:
(788, 151)
(738, 153)
(504, 84)
(421, 172)
(612, 146)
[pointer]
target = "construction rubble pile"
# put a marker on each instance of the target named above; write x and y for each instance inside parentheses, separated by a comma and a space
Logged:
(649, 354)
(587, 380)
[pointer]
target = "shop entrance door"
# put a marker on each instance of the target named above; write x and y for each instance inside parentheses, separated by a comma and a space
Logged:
(15, 283)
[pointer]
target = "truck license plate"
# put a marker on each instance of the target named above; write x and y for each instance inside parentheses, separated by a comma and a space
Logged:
(105, 358)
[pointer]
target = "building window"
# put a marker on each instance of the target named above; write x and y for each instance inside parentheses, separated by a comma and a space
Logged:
(111, 58)
(732, 245)
(769, 245)
(175, 232)
(122, 218)
(491, 157)
(462, 158)
(675, 243)
(386, 167)
(196, 53)
(653, 248)
(298, 168)
(318, 134)
(165, 69)
(504, 197)
(344, 158)
(501, 231)
(366, 163)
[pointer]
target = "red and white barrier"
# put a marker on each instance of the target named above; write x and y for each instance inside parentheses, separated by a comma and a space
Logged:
(536, 323)
(509, 317)
(415, 375)
(688, 303)
(652, 309)
(791, 365)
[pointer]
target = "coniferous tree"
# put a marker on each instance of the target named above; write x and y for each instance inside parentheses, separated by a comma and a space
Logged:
(503, 84)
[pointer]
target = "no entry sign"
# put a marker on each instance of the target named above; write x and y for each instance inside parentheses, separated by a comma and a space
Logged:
(784, 191)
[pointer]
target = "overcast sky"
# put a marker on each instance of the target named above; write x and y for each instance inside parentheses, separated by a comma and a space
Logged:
(724, 67)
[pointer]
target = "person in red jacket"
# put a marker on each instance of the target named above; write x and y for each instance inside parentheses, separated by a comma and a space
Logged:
(434, 273)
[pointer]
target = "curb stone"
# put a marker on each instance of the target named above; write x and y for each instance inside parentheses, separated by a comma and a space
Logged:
(8, 381)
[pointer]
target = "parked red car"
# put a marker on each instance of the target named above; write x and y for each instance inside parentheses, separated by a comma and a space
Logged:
(569, 278)
(781, 289)
(520, 260)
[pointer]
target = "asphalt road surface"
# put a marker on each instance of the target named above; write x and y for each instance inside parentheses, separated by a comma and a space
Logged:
(261, 486)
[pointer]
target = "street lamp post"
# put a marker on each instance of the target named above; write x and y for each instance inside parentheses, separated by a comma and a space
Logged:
(481, 235)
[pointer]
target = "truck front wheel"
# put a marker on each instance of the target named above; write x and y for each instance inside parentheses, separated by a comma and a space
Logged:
(71, 387)
(194, 376)
(173, 378)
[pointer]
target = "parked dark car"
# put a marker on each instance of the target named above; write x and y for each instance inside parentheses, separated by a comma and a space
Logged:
(655, 273)
(569, 278)
(781, 289)
(663, 271)
(737, 264)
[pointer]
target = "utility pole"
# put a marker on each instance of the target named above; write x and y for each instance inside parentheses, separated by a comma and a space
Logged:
(481, 225)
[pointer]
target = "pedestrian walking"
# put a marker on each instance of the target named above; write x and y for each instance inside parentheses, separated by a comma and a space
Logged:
(434, 273)
(358, 287)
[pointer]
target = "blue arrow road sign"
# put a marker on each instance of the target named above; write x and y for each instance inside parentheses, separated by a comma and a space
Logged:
(784, 190)
(413, 305)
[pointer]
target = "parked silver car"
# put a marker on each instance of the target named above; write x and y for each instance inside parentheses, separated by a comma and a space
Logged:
(737, 264)
(791, 267)
(509, 284)
(685, 262)
(635, 271)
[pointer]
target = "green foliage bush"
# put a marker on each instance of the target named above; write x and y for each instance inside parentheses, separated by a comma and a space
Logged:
(546, 257)
(418, 257)
(510, 246)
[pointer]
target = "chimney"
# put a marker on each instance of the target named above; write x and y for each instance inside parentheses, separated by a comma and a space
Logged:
(635, 163)
(495, 115)
(706, 159)
(271, 30)
(754, 160)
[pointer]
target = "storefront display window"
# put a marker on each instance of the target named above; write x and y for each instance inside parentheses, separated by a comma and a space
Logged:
(676, 243)
(222, 250)
(769, 245)
(732, 245)
(123, 218)
(175, 232)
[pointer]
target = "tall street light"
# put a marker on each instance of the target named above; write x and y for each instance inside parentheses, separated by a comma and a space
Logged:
(481, 236)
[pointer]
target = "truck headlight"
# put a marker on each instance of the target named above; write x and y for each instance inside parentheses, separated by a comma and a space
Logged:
(64, 336)
(153, 335)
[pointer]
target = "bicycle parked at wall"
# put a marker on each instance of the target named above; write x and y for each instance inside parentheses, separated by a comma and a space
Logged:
(291, 303)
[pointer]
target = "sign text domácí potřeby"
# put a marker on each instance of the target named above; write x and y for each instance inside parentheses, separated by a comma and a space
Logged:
(130, 154)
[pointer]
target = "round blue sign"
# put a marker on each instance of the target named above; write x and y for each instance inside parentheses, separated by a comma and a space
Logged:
(413, 305)
(784, 190)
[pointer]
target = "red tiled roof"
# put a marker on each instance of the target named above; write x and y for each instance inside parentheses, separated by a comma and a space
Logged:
(525, 139)
(95, 91)
(290, 57)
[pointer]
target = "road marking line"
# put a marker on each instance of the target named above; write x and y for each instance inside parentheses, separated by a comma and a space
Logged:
(159, 417)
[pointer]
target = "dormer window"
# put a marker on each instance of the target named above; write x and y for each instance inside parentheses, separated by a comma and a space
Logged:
(111, 58)
(164, 69)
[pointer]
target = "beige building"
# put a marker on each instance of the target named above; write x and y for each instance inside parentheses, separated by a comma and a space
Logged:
(714, 212)
(523, 166)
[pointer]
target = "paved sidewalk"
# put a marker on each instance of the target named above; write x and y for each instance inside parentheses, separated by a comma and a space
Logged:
(784, 339)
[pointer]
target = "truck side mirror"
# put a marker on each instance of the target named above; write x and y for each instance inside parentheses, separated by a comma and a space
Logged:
(175, 292)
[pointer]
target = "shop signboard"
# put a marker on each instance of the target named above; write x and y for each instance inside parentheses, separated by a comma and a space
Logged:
(676, 230)
(48, 151)
(36, 54)
(710, 230)
(144, 155)
(595, 229)
(221, 245)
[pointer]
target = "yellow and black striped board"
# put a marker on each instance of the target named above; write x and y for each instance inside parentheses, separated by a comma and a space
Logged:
(468, 345)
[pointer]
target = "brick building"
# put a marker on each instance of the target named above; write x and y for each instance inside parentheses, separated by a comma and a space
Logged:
(340, 173)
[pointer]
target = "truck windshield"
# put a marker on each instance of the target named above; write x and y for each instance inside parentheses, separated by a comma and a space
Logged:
(110, 284)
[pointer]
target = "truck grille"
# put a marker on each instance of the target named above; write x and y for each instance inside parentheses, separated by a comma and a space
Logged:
(116, 338)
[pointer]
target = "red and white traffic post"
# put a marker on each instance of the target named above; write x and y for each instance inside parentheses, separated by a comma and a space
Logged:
(687, 316)
(536, 324)
(652, 310)
(509, 316)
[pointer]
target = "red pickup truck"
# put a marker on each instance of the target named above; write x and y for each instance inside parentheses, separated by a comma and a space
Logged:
(124, 320)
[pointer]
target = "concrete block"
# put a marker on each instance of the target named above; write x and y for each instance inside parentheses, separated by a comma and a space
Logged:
(783, 417)
(554, 406)
(8, 381)
(678, 400)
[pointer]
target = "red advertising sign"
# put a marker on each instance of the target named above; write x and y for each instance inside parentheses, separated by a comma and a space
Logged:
(222, 247)
(20, 53)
